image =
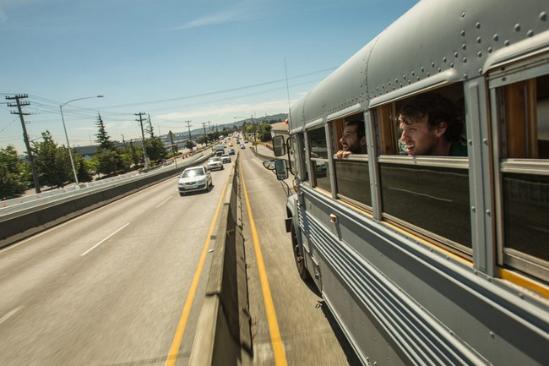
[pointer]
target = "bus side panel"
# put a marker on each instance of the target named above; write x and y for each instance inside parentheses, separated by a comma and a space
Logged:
(432, 309)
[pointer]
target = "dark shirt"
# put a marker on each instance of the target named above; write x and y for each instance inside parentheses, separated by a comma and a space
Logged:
(458, 149)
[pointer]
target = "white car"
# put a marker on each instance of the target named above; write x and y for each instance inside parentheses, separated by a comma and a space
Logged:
(215, 164)
(197, 178)
(226, 158)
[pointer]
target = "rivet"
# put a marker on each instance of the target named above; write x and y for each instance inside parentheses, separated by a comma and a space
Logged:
(503, 78)
(439, 69)
(463, 46)
(480, 70)
(422, 69)
(490, 50)
(470, 142)
(418, 77)
(506, 43)
(463, 15)
(543, 16)
(451, 64)
(485, 140)
(517, 27)
(488, 213)
(404, 77)
(444, 59)
(396, 81)
(456, 55)
(479, 54)
(495, 37)
(479, 40)
(413, 73)
(432, 64)
(530, 33)
(465, 60)
(477, 25)
(462, 33)
(428, 74)
(474, 209)
(492, 334)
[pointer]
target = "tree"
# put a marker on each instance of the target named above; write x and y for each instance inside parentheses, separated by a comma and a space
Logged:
(82, 168)
(52, 162)
(109, 161)
(12, 182)
(149, 128)
(102, 136)
(136, 153)
(189, 144)
(155, 149)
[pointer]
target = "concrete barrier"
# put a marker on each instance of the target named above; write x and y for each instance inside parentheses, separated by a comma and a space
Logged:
(223, 333)
(21, 224)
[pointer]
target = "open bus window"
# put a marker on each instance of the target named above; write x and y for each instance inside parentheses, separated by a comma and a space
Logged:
(350, 159)
(318, 155)
(423, 169)
(523, 124)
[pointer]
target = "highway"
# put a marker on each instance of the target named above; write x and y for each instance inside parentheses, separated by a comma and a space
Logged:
(108, 287)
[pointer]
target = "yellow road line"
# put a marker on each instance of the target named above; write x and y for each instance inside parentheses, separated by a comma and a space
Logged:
(180, 330)
(274, 331)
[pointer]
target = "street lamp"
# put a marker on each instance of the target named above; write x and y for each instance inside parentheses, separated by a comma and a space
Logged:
(67, 136)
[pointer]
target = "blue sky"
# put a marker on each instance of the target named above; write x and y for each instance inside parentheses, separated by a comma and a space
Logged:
(177, 60)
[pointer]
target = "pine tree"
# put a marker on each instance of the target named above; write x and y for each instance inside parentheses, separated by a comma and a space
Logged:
(102, 136)
(149, 129)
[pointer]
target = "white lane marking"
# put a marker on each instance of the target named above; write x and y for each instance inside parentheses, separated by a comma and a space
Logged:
(76, 218)
(105, 239)
(10, 314)
(163, 202)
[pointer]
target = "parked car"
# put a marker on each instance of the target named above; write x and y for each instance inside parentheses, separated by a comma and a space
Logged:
(231, 152)
(242, 146)
(226, 159)
(197, 178)
(214, 164)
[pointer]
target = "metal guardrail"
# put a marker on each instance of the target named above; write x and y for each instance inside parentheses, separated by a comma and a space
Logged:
(223, 333)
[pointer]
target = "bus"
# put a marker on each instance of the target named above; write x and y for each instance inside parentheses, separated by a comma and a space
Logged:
(429, 241)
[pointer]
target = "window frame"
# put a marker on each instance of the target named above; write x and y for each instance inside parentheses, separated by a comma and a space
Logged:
(353, 157)
(380, 134)
(312, 175)
(522, 70)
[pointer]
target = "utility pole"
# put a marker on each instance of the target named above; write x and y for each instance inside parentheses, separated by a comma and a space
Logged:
(140, 120)
(170, 135)
(188, 123)
(205, 135)
(21, 103)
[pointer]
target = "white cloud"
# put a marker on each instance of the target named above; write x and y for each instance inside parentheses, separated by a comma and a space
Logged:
(214, 19)
(244, 10)
(226, 113)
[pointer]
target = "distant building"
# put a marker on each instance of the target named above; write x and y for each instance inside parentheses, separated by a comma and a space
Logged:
(280, 128)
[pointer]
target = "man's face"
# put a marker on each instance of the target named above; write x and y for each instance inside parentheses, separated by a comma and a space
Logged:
(349, 140)
(418, 137)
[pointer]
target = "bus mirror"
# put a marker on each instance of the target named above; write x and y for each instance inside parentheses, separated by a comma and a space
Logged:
(279, 146)
(281, 169)
(269, 164)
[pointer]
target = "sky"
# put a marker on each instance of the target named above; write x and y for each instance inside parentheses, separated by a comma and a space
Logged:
(177, 60)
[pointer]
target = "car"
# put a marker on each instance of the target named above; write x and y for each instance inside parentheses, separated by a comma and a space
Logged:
(226, 159)
(231, 152)
(242, 146)
(214, 164)
(193, 179)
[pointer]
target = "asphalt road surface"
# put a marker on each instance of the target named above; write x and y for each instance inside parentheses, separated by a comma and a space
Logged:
(308, 334)
(108, 287)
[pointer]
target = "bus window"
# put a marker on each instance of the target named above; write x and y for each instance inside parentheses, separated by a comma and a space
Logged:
(523, 124)
(350, 159)
(423, 166)
(318, 155)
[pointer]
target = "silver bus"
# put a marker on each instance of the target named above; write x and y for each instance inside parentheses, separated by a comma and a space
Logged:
(429, 237)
